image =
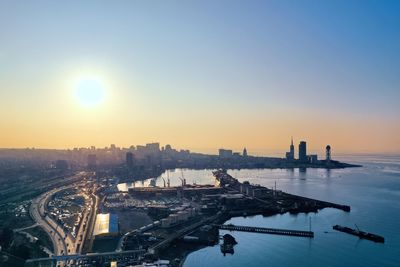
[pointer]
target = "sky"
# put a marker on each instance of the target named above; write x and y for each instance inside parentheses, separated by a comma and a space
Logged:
(201, 74)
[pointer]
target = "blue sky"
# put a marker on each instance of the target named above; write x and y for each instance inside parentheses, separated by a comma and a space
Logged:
(211, 62)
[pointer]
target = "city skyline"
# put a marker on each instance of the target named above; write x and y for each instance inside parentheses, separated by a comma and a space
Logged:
(292, 154)
(199, 133)
(197, 77)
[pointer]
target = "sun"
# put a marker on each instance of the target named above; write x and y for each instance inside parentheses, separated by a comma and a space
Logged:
(89, 92)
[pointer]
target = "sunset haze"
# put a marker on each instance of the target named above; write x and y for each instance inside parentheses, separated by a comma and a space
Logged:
(202, 75)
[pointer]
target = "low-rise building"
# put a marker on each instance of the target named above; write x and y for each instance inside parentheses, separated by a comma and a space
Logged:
(106, 225)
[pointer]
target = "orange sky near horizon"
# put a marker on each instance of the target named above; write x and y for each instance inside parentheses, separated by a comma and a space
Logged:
(201, 133)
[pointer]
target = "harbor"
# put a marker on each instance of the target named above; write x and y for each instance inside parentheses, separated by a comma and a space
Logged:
(197, 212)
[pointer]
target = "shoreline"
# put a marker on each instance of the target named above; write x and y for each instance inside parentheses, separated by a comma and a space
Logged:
(261, 201)
(145, 175)
(185, 252)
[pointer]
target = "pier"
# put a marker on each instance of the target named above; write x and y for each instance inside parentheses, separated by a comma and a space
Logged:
(262, 230)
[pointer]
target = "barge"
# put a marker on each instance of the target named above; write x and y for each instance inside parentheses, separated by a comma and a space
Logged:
(360, 234)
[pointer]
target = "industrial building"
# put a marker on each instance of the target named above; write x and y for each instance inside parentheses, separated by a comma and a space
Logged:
(106, 225)
(186, 191)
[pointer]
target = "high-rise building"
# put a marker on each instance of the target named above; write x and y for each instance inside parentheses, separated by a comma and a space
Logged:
(244, 152)
(303, 151)
(129, 159)
(290, 154)
(292, 149)
(328, 153)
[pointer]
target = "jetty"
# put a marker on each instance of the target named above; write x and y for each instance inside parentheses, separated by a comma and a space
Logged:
(262, 230)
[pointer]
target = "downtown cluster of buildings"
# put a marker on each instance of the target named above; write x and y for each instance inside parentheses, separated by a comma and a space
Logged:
(141, 156)
(303, 157)
(152, 157)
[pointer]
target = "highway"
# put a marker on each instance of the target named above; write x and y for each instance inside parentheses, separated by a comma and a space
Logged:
(63, 243)
(36, 211)
(88, 217)
(136, 253)
(91, 219)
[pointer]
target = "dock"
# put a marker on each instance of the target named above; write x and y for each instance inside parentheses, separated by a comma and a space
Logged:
(262, 230)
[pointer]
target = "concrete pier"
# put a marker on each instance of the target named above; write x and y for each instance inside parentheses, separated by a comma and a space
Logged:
(263, 230)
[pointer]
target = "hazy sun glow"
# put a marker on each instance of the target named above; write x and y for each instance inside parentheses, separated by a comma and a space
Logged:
(89, 92)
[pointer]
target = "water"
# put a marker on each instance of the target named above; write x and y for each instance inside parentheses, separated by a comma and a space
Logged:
(191, 176)
(373, 192)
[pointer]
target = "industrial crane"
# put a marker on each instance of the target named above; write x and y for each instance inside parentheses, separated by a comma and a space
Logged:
(183, 179)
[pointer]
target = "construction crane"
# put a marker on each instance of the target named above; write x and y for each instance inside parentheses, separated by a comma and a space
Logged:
(163, 180)
(168, 183)
(183, 178)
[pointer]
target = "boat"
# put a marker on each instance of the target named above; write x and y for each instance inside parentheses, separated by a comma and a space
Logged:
(360, 234)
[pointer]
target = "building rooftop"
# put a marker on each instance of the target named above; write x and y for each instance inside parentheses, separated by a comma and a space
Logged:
(106, 224)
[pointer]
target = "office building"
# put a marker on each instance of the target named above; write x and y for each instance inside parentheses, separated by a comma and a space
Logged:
(303, 151)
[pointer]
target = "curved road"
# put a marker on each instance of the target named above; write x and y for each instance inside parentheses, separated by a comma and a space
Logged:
(63, 243)
(36, 211)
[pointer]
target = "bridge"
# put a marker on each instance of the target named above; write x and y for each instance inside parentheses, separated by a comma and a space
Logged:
(262, 230)
(105, 255)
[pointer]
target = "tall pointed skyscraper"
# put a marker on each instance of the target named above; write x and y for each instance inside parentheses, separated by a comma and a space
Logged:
(290, 154)
(292, 149)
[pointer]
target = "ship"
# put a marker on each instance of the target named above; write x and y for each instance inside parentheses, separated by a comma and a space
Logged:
(360, 234)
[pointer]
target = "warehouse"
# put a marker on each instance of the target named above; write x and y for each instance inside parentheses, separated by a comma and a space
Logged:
(106, 225)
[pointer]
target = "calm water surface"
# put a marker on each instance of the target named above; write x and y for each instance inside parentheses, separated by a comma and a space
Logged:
(373, 192)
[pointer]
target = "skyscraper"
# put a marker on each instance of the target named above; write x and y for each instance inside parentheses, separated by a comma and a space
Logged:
(290, 154)
(303, 151)
(244, 152)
